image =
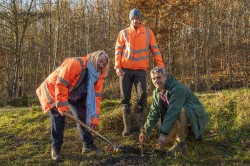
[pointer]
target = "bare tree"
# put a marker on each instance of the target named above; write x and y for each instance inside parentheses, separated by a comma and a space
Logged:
(17, 21)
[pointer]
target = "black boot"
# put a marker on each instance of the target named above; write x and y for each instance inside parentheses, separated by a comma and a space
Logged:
(56, 155)
(90, 148)
(126, 121)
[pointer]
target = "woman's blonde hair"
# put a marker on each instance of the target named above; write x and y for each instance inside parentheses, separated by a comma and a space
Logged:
(93, 59)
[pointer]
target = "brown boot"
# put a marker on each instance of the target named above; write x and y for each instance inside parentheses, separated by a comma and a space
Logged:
(126, 121)
(177, 147)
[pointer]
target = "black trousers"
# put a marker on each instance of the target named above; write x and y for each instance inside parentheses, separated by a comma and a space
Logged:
(138, 78)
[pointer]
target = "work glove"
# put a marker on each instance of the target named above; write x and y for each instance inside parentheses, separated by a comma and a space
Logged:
(162, 140)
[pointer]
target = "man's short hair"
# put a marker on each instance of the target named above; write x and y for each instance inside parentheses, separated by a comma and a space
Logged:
(158, 70)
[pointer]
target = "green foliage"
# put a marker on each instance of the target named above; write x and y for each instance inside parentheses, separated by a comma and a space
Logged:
(36, 108)
(227, 106)
(25, 136)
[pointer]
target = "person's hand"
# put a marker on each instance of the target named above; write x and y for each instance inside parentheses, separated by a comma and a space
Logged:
(161, 140)
(142, 137)
(94, 127)
(119, 72)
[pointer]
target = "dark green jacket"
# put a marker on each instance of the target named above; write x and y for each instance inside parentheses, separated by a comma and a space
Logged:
(179, 96)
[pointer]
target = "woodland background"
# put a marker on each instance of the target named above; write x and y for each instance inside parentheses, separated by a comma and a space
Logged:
(205, 43)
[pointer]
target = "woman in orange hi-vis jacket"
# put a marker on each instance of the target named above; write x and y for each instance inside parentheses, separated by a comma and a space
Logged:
(132, 50)
(78, 83)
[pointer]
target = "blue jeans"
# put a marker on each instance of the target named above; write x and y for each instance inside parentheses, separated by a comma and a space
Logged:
(57, 123)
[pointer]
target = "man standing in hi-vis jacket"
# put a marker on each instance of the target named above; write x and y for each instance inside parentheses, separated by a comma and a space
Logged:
(132, 50)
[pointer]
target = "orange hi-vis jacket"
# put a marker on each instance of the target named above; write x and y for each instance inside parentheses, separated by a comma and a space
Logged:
(133, 47)
(55, 90)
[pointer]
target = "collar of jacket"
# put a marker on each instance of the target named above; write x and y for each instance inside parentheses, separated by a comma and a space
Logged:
(133, 28)
(169, 82)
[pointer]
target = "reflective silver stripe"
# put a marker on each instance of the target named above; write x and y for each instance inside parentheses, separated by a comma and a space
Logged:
(70, 88)
(80, 61)
(119, 47)
(135, 59)
(45, 88)
(153, 46)
(148, 38)
(98, 94)
(156, 53)
(63, 81)
(60, 104)
(141, 50)
(136, 51)
(118, 53)
(124, 32)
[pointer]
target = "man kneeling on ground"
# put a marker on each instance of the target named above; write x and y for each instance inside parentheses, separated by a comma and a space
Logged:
(178, 110)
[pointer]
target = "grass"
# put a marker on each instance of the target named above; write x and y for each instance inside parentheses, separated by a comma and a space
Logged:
(25, 136)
